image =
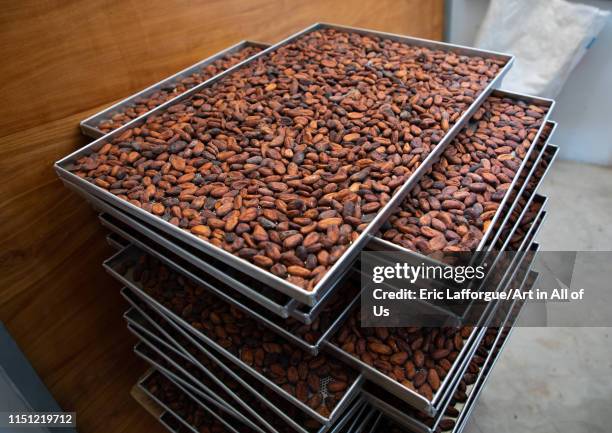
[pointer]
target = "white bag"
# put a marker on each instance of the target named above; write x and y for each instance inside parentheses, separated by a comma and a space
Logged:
(548, 38)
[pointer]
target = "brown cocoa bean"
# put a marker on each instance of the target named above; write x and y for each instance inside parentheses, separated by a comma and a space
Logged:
(379, 348)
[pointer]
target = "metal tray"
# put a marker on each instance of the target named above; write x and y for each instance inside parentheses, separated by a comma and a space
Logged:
(89, 126)
(517, 255)
(123, 225)
(509, 228)
(188, 385)
(494, 248)
(166, 407)
(459, 317)
(169, 354)
(549, 154)
(280, 326)
(166, 348)
(145, 312)
(185, 379)
(411, 397)
(518, 183)
(473, 390)
(338, 427)
(138, 311)
(404, 417)
(141, 234)
(302, 295)
(111, 264)
(525, 248)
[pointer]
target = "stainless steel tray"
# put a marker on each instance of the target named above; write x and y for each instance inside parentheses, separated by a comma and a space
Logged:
(211, 266)
(475, 390)
(414, 399)
(137, 310)
(524, 249)
(280, 326)
(233, 423)
(467, 313)
(110, 265)
(516, 256)
(506, 205)
(338, 427)
(302, 295)
(495, 247)
(405, 418)
(89, 126)
(146, 311)
(166, 407)
(410, 397)
(493, 355)
(509, 228)
(185, 379)
(140, 234)
(549, 154)
(398, 390)
(169, 354)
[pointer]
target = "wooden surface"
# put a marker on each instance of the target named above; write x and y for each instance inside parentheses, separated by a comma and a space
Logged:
(65, 60)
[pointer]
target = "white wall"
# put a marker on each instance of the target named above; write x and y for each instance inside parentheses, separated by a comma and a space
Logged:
(584, 107)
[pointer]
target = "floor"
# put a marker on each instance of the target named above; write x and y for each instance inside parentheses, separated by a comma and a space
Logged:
(558, 380)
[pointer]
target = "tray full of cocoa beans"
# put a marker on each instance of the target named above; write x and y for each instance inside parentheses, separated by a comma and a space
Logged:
(177, 365)
(283, 166)
(157, 334)
(193, 415)
(131, 261)
(140, 103)
(286, 310)
(418, 365)
(279, 412)
(246, 343)
(517, 233)
(455, 207)
(529, 182)
(456, 414)
(235, 416)
(187, 410)
(536, 170)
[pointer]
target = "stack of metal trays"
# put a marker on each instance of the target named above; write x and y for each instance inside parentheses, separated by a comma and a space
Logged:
(191, 302)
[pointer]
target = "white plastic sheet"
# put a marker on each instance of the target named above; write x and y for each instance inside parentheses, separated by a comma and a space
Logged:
(548, 38)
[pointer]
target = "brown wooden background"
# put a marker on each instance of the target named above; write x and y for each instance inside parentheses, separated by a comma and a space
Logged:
(62, 61)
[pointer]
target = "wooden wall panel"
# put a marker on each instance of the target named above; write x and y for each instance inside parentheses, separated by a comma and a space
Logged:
(62, 61)
(63, 57)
